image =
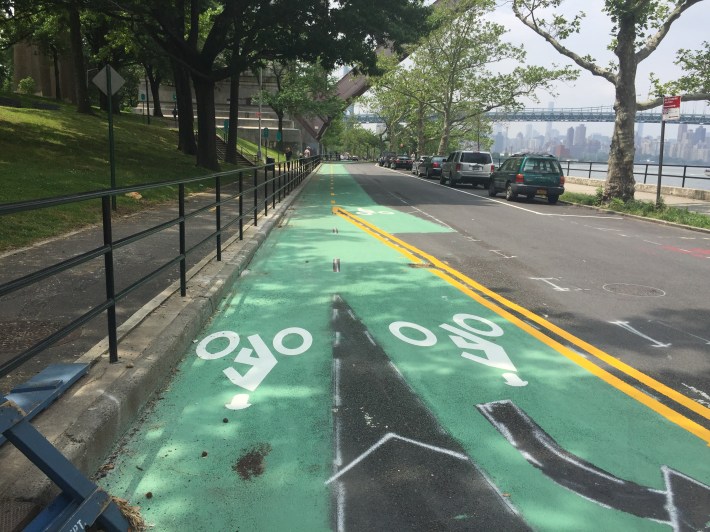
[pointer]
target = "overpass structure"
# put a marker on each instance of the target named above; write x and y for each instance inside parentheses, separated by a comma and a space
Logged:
(569, 114)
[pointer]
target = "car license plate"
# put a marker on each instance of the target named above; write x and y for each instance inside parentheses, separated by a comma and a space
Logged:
(542, 191)
(476, 167)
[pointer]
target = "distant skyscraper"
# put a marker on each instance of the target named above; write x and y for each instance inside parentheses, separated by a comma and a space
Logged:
(580, 135)
(699, 135)
(682, 131)
(570, 137)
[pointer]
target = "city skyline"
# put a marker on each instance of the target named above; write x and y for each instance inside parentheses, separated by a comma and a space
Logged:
(568, 140)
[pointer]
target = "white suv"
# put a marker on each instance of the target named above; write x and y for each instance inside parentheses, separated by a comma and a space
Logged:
(472, 167)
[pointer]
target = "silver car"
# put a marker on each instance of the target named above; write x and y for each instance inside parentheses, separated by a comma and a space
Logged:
(470, 167)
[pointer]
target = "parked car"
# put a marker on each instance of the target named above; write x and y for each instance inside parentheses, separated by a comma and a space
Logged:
(530, 175)
(431, 167)
(401, 161)
(385, 157)
(472, 167)
(417, 162)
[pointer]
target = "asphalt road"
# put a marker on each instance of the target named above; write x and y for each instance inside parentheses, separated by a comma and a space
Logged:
(635, 289)
(406, 356)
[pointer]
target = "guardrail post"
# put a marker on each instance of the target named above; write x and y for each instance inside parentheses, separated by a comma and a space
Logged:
(280, 179)
(590, 170)
(273, 181)
(685, 168)
(645, 174)
(256, 194)
(218, 215)
(181, 214)
(241, 206)
(109, 274)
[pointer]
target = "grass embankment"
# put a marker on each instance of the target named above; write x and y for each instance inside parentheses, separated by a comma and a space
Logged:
(47, 153)
(645, 209)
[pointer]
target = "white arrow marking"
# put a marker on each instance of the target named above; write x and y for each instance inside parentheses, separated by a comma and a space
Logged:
(387, 437)
(628, 327)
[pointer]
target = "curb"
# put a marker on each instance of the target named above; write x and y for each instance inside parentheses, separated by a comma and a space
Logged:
(86, 422)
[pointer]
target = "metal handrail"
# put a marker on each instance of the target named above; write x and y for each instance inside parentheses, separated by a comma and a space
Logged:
(282, 178)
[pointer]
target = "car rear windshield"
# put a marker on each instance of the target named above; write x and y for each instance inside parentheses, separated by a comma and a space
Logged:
(475, 157)
(438, 159)
(543, 166)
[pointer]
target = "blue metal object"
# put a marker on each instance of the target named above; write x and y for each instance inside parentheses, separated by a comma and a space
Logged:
(81, 503)
(41, 390)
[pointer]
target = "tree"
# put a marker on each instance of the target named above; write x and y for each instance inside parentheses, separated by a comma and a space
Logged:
(457, 60)
(638, 28)
(696, 77)
(392, 109)
(301, 89)
(195, 33)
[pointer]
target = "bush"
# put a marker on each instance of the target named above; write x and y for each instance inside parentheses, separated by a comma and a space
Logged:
(26, 85)
(599, 196)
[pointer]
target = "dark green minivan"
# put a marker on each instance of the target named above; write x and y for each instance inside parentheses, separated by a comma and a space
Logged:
(530, 175)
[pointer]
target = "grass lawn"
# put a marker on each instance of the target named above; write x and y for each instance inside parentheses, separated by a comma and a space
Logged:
(45, 153)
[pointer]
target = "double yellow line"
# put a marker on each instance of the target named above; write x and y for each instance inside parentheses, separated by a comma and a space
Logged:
(476, 291)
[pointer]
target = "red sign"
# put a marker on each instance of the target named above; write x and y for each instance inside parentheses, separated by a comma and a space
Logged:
(671, 108)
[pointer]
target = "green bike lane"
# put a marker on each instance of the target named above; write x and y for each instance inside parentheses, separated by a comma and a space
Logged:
(343, 387)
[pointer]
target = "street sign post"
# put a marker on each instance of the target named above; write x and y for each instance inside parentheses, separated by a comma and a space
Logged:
(109, 82)
(671, 111)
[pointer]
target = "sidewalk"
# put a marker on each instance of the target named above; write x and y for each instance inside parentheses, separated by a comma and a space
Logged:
(85, 423)
(672, 196)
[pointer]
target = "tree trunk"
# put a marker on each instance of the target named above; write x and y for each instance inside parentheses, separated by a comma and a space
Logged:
(620, 179)
(57, 79)
(77, 53)
(206, 130)
(231, 154)
(154, 80)
(445, 134)
(280, 116)
(421, 140)
(186, 119)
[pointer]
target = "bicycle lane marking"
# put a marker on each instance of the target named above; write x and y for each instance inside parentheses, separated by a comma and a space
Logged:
(283, 441)
(465, 284)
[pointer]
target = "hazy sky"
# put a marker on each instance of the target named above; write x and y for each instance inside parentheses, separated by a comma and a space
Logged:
(689, 31)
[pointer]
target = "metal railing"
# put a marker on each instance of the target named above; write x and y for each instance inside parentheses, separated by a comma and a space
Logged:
(678, 175)
(263, 185)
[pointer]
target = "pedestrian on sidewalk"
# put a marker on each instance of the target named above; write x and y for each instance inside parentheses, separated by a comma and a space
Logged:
(289, 155)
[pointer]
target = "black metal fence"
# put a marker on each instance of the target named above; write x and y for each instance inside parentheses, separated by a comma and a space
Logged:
(677, 175)
(249, 193)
